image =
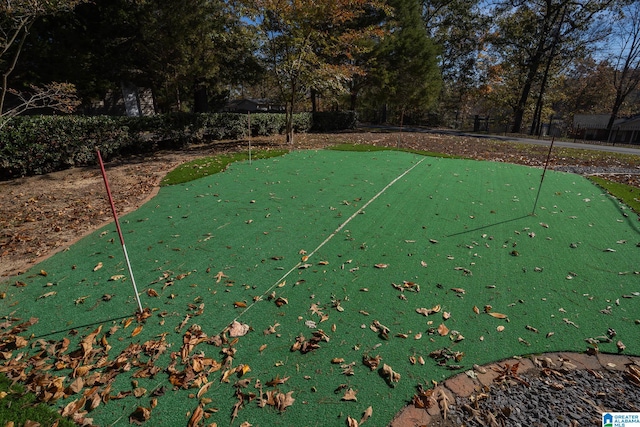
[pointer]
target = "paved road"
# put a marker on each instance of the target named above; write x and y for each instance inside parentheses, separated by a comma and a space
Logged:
(583, 146)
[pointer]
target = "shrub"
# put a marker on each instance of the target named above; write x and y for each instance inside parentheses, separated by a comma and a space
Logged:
(34, 145)
(265, 124)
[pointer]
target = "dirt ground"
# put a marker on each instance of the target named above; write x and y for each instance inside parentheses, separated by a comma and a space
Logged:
(42, 215)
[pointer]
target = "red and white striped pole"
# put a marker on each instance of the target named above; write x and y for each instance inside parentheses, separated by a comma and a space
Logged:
(115, 217)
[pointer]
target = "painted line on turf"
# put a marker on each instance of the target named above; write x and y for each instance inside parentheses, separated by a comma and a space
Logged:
(331, 236)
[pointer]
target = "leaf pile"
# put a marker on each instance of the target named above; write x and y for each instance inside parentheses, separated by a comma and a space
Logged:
(85, 375)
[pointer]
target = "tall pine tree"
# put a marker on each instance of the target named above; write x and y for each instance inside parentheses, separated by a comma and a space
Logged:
(407, 74)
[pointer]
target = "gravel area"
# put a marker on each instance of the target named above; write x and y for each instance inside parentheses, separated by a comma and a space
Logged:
(551, 398)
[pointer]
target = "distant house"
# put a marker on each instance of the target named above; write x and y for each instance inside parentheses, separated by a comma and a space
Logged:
(254, 106)
(130, 100)
(594, 127)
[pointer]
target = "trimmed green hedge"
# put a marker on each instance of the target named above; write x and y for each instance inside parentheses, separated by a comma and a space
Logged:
(35, 145)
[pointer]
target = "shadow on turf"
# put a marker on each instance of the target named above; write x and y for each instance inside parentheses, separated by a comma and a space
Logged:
(88, 325)
(489, 225)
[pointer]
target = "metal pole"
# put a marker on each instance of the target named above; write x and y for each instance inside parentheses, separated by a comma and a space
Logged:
(115, 217)
(546, 164)
(249, 115)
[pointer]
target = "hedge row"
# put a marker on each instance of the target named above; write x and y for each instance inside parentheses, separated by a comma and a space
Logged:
(34, 145)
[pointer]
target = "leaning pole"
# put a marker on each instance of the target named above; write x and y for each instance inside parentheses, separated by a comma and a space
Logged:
(115, 217)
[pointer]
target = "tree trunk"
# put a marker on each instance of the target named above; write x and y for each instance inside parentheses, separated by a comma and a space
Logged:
(200, 97)
(614, 113)
(353, 98)
(314, 100)
(289, 122)
(533, 67)
(537, 116)
(518, 111)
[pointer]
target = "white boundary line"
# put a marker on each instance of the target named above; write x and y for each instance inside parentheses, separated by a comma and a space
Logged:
(331, 236)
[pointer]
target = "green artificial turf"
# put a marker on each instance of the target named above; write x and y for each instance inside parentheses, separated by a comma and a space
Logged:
(342, 242)
(628, 194)
(211, 165)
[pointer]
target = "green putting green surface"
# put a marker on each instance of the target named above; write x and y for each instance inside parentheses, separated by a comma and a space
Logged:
(331, 233)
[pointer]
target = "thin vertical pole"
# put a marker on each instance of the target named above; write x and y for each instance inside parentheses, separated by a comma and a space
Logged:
(249, 115)
(115, 217)
(401, 122)
(546, 164)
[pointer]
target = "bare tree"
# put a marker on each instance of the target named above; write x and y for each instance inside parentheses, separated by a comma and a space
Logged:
(626, 62)
(16, 19)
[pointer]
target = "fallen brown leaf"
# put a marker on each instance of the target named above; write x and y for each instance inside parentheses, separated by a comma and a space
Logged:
(204, 389)
(73, 407)
(220, 276)
(48, 294)
(428, 311)
(379, 328)
(280, 301)
(196, 416)
(277, 381)
(632, 374)
(443, 401)
(139, 392)
(371, 362)
(351, 422)
(140, 415)
(367, 414)
(136, 331)
(391, 376)
(497, 315)
(77, 385)
(237, 329)
(443, 330)
(350, 395)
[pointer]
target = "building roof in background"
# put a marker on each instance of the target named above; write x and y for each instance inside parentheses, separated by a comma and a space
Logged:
(600, 121)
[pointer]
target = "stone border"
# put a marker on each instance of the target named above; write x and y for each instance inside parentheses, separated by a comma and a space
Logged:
(462, 385)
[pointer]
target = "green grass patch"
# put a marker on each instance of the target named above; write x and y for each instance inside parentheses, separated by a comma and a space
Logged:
(372, 148)
(628, 194)
(206, 166)
(20, 407)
